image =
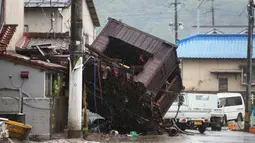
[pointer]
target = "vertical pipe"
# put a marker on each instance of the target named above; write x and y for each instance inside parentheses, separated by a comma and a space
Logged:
(20, 101)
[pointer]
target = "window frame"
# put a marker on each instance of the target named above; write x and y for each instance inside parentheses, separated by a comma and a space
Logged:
(220, 84)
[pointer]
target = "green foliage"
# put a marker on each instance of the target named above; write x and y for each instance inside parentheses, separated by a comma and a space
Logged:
(56, 86)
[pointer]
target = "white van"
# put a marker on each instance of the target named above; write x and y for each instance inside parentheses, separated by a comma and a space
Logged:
(232, 105)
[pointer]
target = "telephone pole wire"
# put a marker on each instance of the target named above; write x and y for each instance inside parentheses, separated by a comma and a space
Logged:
(248, 107)
(75, 70)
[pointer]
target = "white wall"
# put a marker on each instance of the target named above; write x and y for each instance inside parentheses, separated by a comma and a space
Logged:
(87, 23)
(33, 86)
(37, 110)
(14, 14)
(38, 20)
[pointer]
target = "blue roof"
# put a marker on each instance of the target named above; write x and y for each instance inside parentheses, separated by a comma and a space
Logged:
(219, 46)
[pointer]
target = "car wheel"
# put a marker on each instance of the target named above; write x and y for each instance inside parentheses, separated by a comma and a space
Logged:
(213, 128)
(201, 129)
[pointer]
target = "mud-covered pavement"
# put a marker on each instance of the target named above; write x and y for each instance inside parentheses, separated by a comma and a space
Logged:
(207, 137)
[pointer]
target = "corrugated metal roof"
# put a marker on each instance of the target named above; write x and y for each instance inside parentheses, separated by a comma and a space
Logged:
(224, 46)
(47, 3)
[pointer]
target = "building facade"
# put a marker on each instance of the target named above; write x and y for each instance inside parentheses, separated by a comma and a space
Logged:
(56, 17)
(36, 91)
(214, 63)
(12, 13)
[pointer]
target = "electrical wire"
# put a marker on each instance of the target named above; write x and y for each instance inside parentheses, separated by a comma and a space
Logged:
(17, 87)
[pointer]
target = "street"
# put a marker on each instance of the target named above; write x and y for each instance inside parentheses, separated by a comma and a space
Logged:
(208, 137)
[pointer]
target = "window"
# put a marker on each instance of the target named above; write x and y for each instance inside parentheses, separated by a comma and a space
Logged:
(223, 84)
(202, 97)
(48, 85)
(238, 101)
(26, 28)
(231, 101)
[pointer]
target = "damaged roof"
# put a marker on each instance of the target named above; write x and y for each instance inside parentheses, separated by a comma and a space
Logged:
(130, 35)
(27, 61)
(63, 4)
(57, 40)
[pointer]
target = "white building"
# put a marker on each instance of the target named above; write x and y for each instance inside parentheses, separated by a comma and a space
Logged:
(55, 16)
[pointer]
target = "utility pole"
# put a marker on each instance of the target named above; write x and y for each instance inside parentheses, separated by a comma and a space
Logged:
(198, 15)
(75, 71)
(213, 21)
(248, 107)
(175, 20)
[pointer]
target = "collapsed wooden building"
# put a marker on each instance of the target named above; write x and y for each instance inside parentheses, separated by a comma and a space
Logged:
(133, 80)
(132, 77)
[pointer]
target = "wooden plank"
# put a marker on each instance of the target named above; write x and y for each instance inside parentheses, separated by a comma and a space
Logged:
(146, 44)
(122, 32)
(128, 35)
(140, 40)
(134, 37)
(111, 28)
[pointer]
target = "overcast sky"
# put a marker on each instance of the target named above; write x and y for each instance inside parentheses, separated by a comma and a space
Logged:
(154, 16)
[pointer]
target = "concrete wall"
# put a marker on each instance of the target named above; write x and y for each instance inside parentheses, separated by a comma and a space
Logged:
(39, 20)
(87, 23)
(33, 86)
(14, 14)
(37, 113)
(37, 110)
(197, 76)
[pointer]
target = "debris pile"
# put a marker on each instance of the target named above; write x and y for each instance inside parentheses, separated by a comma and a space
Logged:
(133, 80)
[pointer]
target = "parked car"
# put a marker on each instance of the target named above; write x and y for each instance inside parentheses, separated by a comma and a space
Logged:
(232, 105)
(197, 111)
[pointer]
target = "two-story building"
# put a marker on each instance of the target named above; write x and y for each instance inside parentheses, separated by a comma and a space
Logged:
(213, 63)
(55, 16)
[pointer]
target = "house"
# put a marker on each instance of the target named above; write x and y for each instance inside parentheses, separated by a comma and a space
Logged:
(27, 86)
(214, 63)
(35, 81)
(55, 16)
